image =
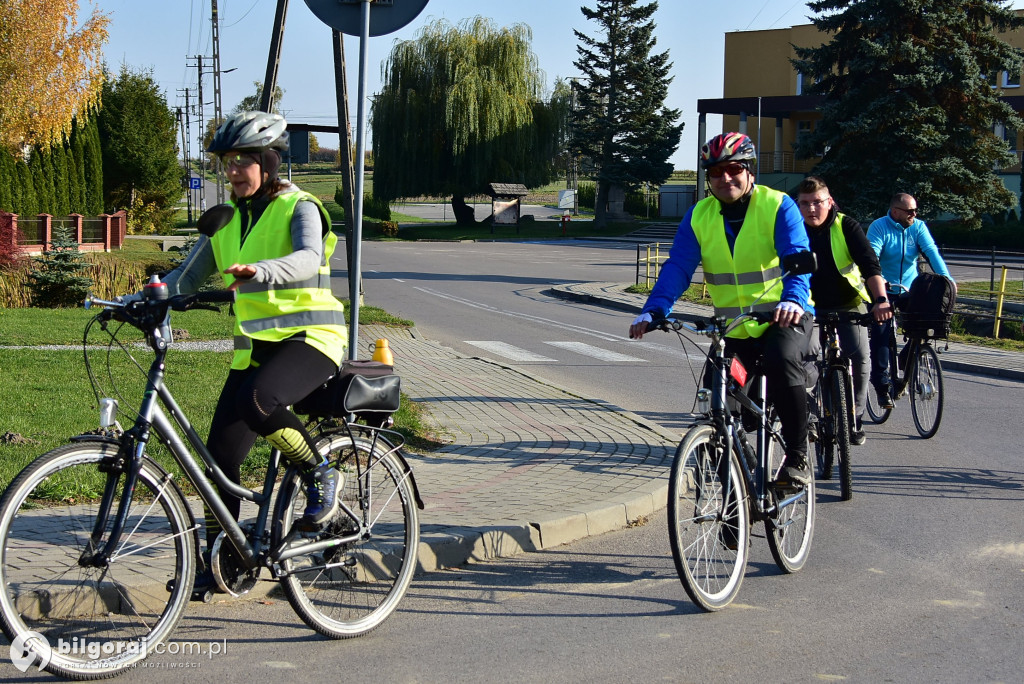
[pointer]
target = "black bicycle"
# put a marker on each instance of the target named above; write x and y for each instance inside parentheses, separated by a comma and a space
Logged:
(833, 400)
(721, 483)
(915, 370)
(100, 547)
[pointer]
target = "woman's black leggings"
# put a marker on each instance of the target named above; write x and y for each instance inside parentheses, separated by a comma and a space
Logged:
(255, 401)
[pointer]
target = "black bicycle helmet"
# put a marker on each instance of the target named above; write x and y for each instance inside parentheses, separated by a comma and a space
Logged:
(252, 132)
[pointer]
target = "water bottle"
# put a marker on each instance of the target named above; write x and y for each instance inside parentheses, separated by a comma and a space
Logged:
(382, 353)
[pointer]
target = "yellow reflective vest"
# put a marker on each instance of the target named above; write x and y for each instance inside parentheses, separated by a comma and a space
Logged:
(273, 312)
(844, 260)
(736, 278)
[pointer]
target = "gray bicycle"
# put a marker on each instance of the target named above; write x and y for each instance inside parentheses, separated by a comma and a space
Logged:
(99, 547)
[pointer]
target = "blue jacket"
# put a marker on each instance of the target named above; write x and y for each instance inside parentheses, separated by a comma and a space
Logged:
(898, 247)
(685, 256)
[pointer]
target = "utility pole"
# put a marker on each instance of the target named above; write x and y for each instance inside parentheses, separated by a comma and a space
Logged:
(217, 112)
(202, 123)
(182, 125)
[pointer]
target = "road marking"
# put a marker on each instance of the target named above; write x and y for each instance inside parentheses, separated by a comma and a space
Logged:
(596, 352)
(509, 351)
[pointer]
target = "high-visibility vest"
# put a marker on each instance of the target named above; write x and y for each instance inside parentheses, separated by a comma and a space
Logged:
(273, 312)
(752, 272)
(844, 260)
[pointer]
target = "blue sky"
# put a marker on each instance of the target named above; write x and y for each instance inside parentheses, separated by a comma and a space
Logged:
(165, 36)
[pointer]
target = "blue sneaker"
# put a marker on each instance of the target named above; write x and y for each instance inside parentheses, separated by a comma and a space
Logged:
(323, 485)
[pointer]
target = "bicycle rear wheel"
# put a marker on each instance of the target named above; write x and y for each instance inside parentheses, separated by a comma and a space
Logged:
(350, 589)
(839, 417)
(790, 528)
(85, 622)
(926, 395)
(709, 529)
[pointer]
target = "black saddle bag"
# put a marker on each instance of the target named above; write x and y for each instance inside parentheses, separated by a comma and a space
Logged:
(368, 389)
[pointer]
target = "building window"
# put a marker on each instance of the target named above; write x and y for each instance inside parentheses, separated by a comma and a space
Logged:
(799, 83)
(1011, 79)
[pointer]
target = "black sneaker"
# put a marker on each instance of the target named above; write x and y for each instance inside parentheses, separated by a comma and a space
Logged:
(857, 437)
(323, 485)
(812, 431)
(796, 472)
(884, 399)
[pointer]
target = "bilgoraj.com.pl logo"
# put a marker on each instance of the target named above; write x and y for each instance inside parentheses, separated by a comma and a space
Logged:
(32, 647)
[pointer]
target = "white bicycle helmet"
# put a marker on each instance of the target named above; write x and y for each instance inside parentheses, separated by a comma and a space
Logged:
(250, 131)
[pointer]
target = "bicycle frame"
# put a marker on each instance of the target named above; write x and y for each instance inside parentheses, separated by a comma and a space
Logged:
(730, 427)
(834, 359)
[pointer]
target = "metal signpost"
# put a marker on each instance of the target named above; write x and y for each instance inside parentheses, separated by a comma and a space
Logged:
(355, 18)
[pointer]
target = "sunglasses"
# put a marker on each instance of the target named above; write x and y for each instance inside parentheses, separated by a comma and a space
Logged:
(239, 160)
(734, 169)
(908, 212)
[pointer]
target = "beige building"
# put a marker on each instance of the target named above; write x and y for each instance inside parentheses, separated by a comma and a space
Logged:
(764, 97)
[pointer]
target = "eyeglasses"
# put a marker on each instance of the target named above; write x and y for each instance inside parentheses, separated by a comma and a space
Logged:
(239, 160)
(814, 204)
(908, 212)
(734, 169)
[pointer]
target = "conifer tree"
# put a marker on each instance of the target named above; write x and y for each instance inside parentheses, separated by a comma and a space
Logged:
(92, 167)
(7, 181)
(59, 279)
(77, 149)
(26, 204)
(59, 160)
(910, 105)
(621, 122)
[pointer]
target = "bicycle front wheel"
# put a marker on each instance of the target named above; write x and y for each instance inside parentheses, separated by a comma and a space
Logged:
(790, 528)
(926, 392)
(824, 443)
(350, 589)
(875, 412)
(82, 621)
(709, 524)
(839, 417)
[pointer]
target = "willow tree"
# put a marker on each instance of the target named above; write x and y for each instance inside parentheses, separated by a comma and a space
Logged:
(461, 107)
(49, 67)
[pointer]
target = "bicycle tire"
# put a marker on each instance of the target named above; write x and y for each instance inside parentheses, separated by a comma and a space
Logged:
(368, 577)
(123, 609)
(790, 529)
(926, 395)
(824, 445)
(703, 525)
(877, 414)
(841, 429)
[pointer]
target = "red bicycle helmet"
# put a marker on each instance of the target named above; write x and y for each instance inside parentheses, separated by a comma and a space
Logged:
(728, 147)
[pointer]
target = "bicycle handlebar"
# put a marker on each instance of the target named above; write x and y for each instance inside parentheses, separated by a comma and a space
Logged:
(837, 317)
(715, 326)
(149, 313)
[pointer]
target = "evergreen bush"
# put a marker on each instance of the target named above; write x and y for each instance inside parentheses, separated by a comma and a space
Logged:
(60, 279)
